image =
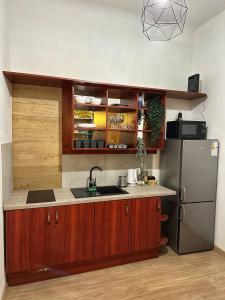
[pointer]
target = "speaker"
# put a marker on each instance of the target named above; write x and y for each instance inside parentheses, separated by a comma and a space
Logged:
(193, 83)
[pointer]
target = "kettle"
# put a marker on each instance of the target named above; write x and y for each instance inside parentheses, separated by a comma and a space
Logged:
(132, 177)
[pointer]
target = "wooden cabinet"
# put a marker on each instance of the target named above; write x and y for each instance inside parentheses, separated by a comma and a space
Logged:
(43, 243)
(127, 225)
(42, 237)
(72, 234)
(111, 228)
(115, 120)
(28, 235)
(145, 220)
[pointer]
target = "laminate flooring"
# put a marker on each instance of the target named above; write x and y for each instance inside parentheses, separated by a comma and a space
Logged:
(169, 277)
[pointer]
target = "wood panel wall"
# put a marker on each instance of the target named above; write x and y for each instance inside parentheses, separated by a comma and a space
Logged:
(37, 154)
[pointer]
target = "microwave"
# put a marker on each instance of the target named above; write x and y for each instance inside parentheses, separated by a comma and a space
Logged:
(186, 130)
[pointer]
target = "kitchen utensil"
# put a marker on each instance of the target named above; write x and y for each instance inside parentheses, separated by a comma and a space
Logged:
(122, 181)
(132, 177)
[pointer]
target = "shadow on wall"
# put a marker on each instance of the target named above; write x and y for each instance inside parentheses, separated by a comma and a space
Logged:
(76, 168)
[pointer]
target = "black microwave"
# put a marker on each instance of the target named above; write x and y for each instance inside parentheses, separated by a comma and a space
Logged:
(186, 130)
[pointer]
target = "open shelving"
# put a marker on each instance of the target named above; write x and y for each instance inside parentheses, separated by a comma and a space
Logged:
(116, 99)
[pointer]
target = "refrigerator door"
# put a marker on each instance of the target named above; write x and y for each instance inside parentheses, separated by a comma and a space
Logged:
(170, 160)
(199, 171)
(196, 227)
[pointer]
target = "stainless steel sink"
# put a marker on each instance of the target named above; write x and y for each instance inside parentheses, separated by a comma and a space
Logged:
(101, 191)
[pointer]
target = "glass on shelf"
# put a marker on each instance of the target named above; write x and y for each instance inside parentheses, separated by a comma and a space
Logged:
(89, 139)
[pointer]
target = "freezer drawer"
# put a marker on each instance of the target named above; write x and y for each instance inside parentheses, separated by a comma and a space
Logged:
(197, 222)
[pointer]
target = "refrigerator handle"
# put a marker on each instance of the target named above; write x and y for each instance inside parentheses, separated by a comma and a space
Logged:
(181, 213)
(182, 194)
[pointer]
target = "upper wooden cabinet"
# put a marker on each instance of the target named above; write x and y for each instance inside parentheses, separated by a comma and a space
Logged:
(109, 126)
(116, 118)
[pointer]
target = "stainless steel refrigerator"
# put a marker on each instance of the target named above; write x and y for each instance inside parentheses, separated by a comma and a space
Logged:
(190, 168)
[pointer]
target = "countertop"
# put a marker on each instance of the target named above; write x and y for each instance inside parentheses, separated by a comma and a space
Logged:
(65, 197)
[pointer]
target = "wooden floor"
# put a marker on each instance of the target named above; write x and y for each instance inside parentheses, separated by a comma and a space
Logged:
(169, 277)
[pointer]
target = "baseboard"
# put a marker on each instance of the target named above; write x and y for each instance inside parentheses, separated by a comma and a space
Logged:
(4, 293)
(219, 251)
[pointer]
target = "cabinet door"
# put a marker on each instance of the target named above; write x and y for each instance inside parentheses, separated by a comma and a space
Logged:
(145, 224)
(28, 236)
(73, 232)
(111, 228)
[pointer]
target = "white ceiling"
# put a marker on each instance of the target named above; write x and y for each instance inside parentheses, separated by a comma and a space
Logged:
(200, 11)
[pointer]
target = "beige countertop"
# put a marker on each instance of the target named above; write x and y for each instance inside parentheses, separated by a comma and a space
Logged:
(65, 197)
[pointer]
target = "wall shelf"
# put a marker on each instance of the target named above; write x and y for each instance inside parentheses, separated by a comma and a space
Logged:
(35, 79)
(103, 114)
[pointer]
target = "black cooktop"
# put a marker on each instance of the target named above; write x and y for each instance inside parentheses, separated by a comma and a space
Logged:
(40, 196)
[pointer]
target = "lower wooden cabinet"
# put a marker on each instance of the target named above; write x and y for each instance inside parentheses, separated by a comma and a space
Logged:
(145, 223)
(43, 243)
(111, 228)
(42, 237)
(72, 234)
(27, 239)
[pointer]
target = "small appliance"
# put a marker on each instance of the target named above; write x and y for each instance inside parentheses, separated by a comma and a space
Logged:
(186, 130)
(132, 177)
(122, 181)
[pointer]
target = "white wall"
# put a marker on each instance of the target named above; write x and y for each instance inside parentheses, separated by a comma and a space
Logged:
(209, 59)
(83, 40)
(5, 125)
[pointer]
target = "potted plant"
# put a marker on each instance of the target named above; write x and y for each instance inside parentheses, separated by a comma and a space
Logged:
(154, 116)
(141, 154)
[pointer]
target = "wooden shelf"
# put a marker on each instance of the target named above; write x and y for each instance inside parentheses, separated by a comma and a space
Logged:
(91, 107)
(163, 240)
(164, 218)
(88, 129)
(106, 151)
(36, 79)
(121, 130)
(119, 109)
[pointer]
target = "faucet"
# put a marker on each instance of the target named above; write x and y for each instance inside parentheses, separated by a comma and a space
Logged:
(92, 181)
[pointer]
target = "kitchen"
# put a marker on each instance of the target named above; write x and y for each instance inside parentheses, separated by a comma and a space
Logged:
(41, 130)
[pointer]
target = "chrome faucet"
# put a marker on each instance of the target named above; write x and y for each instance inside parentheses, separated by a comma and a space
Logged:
(92, 181)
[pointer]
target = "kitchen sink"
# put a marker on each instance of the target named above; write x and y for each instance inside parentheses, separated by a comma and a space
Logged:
(101, 191)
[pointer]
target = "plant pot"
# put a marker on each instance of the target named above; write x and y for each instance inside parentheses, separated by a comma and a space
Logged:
(93, 144)
(86, 144)
(101, 144)
(78, 144)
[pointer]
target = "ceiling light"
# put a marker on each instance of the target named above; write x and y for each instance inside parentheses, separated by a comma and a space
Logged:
(163, 20)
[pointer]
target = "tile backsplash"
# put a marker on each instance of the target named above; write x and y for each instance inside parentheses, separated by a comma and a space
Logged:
(76, 168)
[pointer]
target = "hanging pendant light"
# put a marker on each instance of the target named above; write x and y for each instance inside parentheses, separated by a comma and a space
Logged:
(163, 20)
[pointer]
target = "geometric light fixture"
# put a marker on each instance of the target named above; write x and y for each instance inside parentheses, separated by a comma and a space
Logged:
(163, 20)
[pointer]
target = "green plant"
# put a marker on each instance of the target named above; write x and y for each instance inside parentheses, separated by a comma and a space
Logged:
(154, 117)
(140, 116)
(141, 153)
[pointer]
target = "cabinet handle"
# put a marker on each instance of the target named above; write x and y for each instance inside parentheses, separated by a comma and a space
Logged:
(49, 218)
(126, 209)
(158, 205)
(56, 217)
